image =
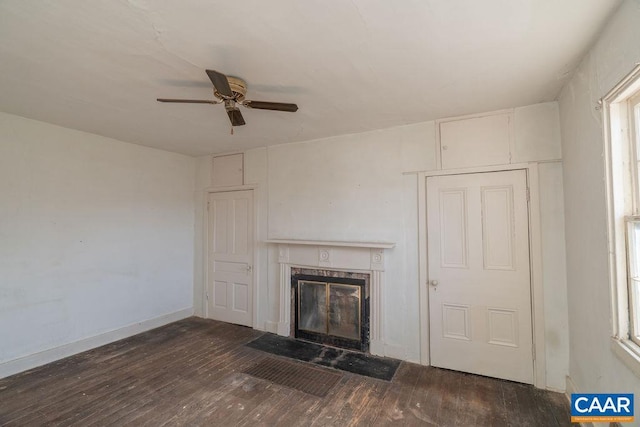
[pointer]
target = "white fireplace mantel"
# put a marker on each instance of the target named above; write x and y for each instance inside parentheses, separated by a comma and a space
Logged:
(372, 245)
(363, 257)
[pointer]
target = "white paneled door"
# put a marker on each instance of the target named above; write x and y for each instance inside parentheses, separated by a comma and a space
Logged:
(479, 282)
(230, 288)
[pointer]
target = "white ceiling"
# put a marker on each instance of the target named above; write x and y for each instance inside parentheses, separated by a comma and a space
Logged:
(351, 66)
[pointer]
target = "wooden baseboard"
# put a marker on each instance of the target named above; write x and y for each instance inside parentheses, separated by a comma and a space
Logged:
(571, 388)
(31, 361)
(271, 327)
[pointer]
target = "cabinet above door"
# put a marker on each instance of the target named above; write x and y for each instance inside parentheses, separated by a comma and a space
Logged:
(476, 141)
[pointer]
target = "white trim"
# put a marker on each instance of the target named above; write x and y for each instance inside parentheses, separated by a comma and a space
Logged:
(395, 351)
(231, 188)
(377, 344)
(476, 115)
(271, 327)
(537, 285)
(520, 165)
(535, 254)
(628, 352)
(617, 266)
(615, 210)
(376, 245)
(31, 361)
(205, 255)
(480, 169)
(571, 389)
(423, 290)
(227, 153)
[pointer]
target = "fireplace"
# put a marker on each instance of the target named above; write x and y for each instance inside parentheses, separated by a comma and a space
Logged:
(356, 260)
(330, 307)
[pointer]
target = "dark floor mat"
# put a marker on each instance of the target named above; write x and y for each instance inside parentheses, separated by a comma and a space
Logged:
(381, 368)
(315, 381)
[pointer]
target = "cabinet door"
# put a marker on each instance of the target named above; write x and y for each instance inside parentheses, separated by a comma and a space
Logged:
(228, 170)
(478, 141)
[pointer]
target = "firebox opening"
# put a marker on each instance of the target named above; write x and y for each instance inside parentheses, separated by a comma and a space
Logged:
(331, 310)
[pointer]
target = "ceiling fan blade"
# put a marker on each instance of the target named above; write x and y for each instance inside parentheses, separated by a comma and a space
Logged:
(277, 106)
(188, 101)
(220, 82)
(235, 116)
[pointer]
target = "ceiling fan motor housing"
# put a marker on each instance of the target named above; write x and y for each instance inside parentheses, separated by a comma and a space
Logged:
(238, 87)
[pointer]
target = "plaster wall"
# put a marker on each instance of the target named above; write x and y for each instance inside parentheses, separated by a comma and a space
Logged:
(361, 187)
(96, 235)
(351, 188)
(593, 367)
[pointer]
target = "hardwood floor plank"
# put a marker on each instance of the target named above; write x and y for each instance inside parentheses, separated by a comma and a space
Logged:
(423, 406)
(268, 411)
(189, 373)
(83, 387)
(336, 401)
(394, 405)
(73, 374)
(370, 411)
(470, 409)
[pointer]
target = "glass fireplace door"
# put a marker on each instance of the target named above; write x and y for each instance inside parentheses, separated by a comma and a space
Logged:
(330, 308)
(312, 306)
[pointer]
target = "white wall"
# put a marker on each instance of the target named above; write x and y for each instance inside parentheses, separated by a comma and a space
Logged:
(537, 138)
(95, 235)
(354, 188)
(593, 367)
(351, 188)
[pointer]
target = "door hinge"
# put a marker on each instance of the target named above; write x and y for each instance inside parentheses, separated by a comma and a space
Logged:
(528, 194)
(208, 203)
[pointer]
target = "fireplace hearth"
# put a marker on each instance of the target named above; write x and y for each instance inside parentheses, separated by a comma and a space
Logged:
(331, 307)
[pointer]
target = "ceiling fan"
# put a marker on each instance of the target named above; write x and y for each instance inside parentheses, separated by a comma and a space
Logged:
(231, 91)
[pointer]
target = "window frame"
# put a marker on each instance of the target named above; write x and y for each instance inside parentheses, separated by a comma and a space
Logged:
(623, 202)
(633, 244)
(633, 274)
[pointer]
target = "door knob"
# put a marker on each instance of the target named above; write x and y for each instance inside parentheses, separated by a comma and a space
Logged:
(249, 268)
(434, 283)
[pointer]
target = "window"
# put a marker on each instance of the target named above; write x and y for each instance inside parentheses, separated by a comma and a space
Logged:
(633, 221)
(621, 109)
(633, 259)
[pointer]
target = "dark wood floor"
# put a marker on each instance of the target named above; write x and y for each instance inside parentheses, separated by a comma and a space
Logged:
(188, 373)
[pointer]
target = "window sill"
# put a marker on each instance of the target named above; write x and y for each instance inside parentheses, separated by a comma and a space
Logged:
(628, 352)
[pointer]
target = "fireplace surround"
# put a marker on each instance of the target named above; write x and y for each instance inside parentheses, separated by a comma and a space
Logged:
(366, 258)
